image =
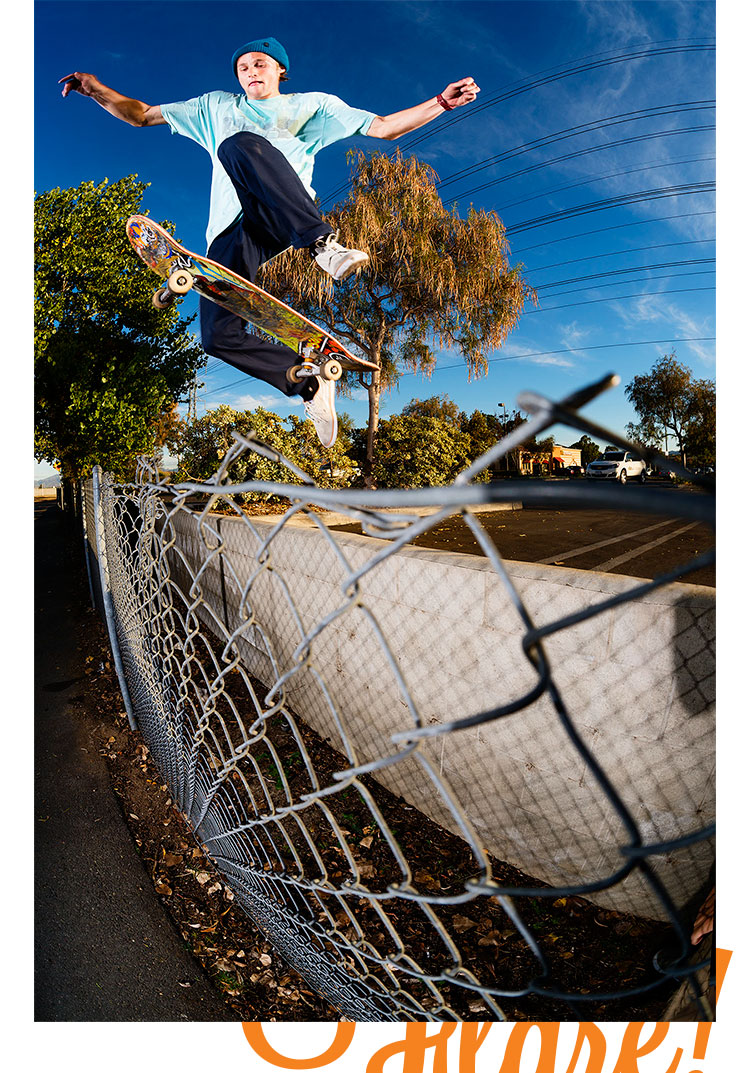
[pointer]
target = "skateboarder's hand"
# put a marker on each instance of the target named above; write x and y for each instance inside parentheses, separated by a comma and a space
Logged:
(462, 92)
(80, 82)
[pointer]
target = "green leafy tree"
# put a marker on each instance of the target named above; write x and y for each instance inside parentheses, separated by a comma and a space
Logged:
(438, 406)
(700, 442)
(484, 431)
(433, 280)
(643, 436)
(588, 448)
(415, 450)
(201, 445)
(109, 368)
(670, 402)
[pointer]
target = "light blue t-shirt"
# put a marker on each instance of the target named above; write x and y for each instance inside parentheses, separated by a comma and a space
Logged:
(298, 124)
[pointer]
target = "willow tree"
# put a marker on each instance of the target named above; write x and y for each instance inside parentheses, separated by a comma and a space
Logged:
(434, 279)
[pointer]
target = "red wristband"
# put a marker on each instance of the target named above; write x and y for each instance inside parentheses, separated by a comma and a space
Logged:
(443, 103)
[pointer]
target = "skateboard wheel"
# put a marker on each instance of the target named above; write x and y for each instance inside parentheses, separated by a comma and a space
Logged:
(331, 369)
(180, 281)
(162, 299)
(292, 374)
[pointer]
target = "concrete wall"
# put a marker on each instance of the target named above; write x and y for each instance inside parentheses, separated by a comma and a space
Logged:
(638, 682)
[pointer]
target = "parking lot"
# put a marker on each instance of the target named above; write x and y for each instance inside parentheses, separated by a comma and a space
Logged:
(618, 542)
(611, 541)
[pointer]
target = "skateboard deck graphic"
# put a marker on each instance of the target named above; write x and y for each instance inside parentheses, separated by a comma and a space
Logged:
(267, 314)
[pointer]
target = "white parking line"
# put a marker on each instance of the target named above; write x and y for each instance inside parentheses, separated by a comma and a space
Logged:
(644, 547)
(601, 544)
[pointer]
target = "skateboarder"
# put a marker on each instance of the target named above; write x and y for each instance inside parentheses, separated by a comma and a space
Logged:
(263, 144)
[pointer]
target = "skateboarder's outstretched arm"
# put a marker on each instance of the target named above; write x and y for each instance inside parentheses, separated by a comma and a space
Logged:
(136, 113)
(453, 96)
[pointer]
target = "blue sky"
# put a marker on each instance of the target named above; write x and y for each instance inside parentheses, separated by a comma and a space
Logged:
(641, 272)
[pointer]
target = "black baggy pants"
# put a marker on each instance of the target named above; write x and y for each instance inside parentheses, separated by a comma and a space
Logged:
(277, 212)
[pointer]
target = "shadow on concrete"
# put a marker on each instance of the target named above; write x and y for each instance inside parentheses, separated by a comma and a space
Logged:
(105, 949)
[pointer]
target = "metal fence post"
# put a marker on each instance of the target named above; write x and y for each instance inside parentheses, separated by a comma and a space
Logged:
(86, 552)
(109, 611)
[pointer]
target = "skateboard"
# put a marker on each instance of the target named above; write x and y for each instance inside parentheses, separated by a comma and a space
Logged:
(320, 353)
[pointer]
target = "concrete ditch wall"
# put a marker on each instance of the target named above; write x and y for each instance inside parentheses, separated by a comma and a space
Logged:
(638, 682)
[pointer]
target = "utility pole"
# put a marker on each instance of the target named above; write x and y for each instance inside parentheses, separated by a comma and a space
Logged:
(505, 430)
(192, 412)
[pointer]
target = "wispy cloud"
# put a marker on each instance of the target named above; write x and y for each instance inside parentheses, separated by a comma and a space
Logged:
(534, 356)
(571, 335)
(652, 309)
(273, 402)
(552, 359)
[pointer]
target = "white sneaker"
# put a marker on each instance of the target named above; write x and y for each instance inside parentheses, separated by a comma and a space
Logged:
(322, 411)
(336, 259)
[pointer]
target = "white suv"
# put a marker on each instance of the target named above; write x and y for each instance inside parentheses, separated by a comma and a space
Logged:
(617, 466)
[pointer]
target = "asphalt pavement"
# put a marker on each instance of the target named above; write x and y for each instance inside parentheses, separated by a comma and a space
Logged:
(105, 949)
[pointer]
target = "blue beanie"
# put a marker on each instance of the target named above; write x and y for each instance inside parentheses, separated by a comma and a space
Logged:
(269, 45)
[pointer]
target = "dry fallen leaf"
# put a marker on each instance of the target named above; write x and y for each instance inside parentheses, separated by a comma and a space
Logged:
(426, 880)
(462, 924)
(162, 887)
(202, 877)
(492, 938)
(265, 960)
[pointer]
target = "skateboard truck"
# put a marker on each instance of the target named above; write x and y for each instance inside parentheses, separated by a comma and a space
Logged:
(327, 368)
(179, 283)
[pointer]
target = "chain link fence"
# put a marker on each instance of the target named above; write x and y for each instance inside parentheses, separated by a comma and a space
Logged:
(445, 786)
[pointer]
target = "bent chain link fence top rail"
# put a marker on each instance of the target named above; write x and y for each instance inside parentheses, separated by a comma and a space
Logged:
(445, 786)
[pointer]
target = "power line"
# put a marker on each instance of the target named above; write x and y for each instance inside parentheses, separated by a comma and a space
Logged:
(615, 227)
(594, 126)
(555, 77)
(626, 271)
(644, 165)
(575, 350)
(624, 282)
(610, 203)
(620, 298)
(622, 253)
(526, 85)
(522, 357)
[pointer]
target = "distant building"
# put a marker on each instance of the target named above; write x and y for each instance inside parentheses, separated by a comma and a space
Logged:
(558, 459)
